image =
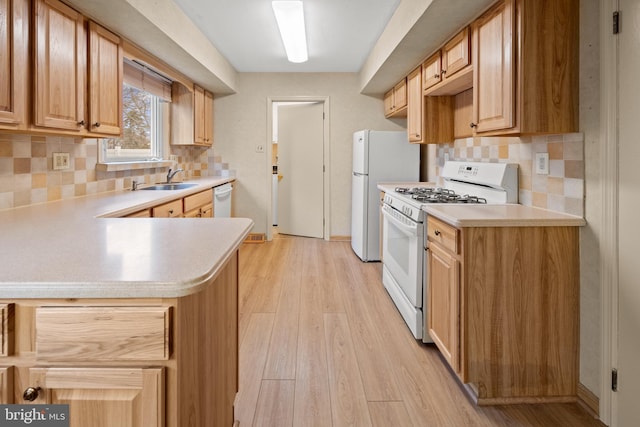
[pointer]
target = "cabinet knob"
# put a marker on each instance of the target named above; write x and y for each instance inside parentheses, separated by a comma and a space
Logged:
(443, 72)
(436, 76)
(31, 393)
(437, 232)
(170, 211)
(473, 125)
(96, 124)
(81, 123)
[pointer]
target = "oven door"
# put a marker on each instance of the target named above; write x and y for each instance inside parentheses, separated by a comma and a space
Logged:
(402, 252)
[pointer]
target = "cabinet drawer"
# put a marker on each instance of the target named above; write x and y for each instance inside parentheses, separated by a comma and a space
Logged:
(168, 210)
(6, 329)
(442, 233)
(198, 200)
(145, 213)
(102, 333)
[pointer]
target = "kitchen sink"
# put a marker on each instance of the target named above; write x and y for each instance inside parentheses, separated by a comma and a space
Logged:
(176, 186)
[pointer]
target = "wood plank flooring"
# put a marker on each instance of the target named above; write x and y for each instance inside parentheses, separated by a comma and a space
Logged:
(321, 344)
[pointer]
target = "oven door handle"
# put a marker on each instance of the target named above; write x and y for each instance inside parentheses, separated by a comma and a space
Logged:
(410, 230)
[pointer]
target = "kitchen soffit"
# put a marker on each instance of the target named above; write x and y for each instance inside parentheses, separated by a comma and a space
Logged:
(396, 37)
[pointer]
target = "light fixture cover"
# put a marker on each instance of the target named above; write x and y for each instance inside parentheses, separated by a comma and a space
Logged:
(290, 18)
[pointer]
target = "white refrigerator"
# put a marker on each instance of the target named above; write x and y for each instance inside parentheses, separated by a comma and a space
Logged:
(378, 156)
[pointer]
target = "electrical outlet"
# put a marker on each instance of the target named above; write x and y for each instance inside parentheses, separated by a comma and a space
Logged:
(259, 148)
(60, 161)
(542, 163)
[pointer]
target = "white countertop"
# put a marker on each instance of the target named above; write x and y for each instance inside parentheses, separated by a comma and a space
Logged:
(510, 215)
(79, 248)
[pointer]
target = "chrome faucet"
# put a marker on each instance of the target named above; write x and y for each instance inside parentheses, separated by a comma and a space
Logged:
(170, 175)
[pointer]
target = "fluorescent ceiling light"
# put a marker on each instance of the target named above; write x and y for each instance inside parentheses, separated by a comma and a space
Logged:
(290, 18)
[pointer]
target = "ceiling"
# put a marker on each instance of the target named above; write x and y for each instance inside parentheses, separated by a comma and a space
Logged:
(340, 33)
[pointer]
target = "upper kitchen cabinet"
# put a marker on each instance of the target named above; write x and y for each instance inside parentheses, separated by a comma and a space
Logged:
(60, 42)
(525, 75)
(78, 73)
(191, 115)
(105, 81)
(429, 118)
(449, 71)
(395, 100)
(14, 62)
(414, 106)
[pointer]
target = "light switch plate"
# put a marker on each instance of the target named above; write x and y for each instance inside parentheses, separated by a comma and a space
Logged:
(542, 163)
(60, 161)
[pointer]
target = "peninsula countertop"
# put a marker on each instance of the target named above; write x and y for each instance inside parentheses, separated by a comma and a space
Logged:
(80, 248)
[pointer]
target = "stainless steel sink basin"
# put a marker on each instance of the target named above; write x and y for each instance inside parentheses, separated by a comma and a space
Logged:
(176, 186)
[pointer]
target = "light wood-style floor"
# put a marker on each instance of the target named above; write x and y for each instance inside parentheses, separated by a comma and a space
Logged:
(321, 344)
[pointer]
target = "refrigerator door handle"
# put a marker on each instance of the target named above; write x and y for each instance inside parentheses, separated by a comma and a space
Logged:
(359, 174)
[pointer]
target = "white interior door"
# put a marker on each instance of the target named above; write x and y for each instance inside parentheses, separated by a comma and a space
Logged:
(629, 206)
(300, 164)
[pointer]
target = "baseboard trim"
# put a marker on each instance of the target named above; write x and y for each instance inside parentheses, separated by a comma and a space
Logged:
(255, 238)
(340, 238)
(588, 400)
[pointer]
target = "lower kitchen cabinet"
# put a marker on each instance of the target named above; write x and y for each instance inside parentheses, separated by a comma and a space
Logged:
(504, 309)
(128, 362)
(6, 385)
(199, 205)
(123, 397)
(444, 303)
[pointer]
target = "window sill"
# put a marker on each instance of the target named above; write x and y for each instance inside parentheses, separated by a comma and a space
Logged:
(134, 165)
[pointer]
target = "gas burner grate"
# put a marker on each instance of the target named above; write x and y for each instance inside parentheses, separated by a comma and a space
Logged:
(438, 195)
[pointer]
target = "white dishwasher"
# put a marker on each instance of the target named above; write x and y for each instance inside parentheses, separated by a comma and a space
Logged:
(222, 200)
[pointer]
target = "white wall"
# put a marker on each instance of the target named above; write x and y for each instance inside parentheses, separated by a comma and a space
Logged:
(240, 123)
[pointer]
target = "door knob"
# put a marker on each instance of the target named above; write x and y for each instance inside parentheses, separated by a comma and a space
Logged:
(31, 393)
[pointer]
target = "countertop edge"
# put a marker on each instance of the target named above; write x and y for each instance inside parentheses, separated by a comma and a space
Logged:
(124, 289)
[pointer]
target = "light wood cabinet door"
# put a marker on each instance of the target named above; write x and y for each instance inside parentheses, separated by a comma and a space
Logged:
(208, 118)
(105, 81)
(414, 106)
(14, 62)
(400, 95)
(456, 54)
(494, 69)
(388, 103)
(198, 115)
(444, 303)
(395, 100)
(104, 397)
(431, 71)
(203, 116)
(6, 385)
(60, 66)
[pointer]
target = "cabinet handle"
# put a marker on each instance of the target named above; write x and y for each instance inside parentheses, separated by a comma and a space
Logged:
(31, 393)
(170, 212)
(96, 124)
(443, 72)
(437, 232)
(473, 125)
(436, 76)
(81, 123)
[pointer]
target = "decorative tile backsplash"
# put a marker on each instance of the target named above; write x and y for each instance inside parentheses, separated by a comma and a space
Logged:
(562, 190)
(27, 175)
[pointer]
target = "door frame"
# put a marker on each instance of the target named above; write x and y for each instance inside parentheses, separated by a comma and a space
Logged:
(609, 284)
(324, 100)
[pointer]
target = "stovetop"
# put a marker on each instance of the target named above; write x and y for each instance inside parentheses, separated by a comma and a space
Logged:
(464, 182)
(438, 195)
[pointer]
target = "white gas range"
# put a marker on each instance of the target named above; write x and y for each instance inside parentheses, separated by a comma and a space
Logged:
(403, 229)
